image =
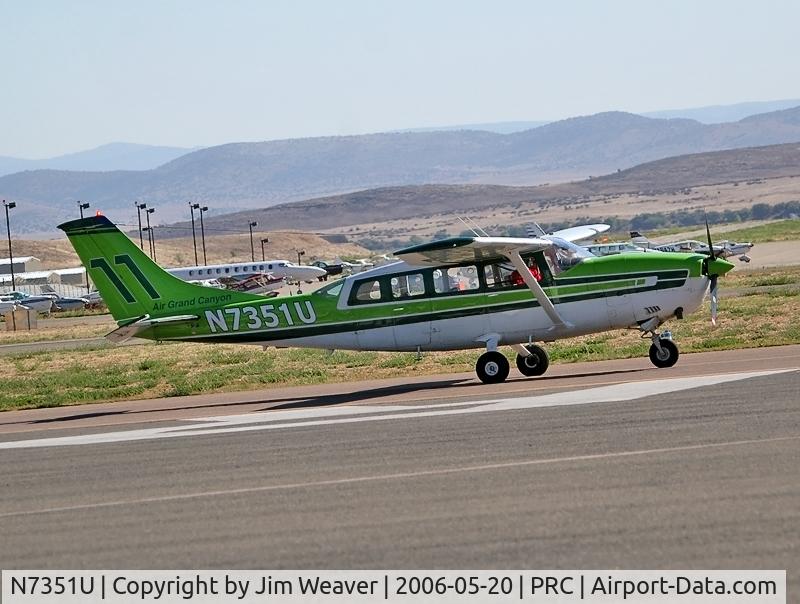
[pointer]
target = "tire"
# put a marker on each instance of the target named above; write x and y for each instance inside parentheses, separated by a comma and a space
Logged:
(534, 365)
(492, 367)
(668, 356)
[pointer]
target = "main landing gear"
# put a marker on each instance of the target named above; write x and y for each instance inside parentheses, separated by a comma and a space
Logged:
(493, 366)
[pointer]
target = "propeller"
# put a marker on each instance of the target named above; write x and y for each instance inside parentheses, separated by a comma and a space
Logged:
(713, 277)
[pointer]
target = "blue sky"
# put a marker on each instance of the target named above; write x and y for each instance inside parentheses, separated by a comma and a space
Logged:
(79, 74)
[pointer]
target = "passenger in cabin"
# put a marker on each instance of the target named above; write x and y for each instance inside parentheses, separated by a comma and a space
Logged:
(516, 278)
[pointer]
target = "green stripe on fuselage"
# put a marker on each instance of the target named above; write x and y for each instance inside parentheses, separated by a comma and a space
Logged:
(332, 320)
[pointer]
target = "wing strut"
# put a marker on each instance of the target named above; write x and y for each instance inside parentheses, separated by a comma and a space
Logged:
(536, 289)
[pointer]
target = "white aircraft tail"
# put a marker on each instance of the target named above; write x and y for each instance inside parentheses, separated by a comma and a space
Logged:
(638, 239)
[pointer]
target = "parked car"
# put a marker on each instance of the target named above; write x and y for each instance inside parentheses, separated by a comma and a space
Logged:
(329, 268)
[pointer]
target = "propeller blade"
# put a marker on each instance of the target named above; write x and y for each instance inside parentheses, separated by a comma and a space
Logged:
(714, 300)
(710, 243)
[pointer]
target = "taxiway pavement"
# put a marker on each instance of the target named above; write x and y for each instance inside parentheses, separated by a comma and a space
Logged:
(600, 465)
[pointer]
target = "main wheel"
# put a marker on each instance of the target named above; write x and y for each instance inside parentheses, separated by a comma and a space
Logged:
(535, 364)
(492, 367)
(667, 356)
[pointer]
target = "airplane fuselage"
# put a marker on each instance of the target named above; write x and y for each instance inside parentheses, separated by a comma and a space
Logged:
(408, 308)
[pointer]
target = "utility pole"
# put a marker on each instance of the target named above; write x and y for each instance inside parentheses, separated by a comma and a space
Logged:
(139, 208)
(251, 224)
(203, 234)
(263, 241)
(9, 206)
(300, 253)
(192, 208)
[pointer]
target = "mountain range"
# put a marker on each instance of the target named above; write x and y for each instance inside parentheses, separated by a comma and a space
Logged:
(113, 156)
(420, 201)
(242, 176)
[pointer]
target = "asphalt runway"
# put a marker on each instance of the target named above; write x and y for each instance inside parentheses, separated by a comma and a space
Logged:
(601, 465)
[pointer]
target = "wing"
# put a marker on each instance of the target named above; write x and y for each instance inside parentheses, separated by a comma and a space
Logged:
(456, 250)
(585, 231)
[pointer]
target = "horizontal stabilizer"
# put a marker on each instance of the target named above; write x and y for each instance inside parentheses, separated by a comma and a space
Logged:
(131, 330)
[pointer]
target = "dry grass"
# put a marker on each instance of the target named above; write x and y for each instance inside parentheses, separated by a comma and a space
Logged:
(764, 316)
(58, 253)
(727, 196)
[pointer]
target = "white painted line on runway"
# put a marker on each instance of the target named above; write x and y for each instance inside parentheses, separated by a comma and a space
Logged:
(274, 420)
(396, 476)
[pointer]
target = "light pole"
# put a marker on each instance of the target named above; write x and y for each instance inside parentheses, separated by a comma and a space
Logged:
(8, 205)
(84, 205)
(300, 253)
(149, 239)
(251, 224)
(263, 241)
(139, 208)
(192, 208)
(150, 232)
(203, 234)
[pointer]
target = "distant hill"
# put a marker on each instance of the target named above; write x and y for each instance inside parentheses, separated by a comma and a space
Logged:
(717, 114)
(496, 127)
(712, 114)
(244, 176)
(113, 156)
(391, 203)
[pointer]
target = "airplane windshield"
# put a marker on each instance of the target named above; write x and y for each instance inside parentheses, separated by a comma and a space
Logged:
(564, 255)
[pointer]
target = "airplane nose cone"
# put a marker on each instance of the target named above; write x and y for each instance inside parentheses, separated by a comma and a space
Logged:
(718, 266)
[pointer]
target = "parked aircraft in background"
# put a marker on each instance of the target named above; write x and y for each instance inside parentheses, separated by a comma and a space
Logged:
(9, 300)
(62, 303)
(452, 294)
(277, 268)
(723, 249)
(255, 283)
(573, 234)
(612, 247)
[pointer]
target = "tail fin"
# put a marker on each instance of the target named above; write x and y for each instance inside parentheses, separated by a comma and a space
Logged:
(132, 285)
(638, 239)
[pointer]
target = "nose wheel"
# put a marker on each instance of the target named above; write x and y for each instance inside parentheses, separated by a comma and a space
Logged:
(492, 367)
(663, 353)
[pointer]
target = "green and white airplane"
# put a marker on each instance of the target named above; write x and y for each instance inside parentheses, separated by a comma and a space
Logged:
(457, 293)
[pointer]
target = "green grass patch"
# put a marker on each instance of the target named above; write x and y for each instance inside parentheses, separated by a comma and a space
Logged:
(783, 230)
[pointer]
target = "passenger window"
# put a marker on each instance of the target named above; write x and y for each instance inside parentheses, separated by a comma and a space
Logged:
(261, 267)
(191, 273)
(499, 275)
(235, 269)
(368, 291)
(405, 286)
(218, 271)
(455, 279)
